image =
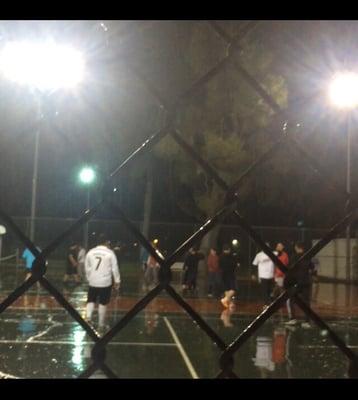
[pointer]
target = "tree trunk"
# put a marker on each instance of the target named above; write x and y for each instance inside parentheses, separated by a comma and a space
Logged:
(210, 240)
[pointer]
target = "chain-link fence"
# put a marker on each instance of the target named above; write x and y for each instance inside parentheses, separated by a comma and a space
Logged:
(169, 235)
(331, 259)
(230, 207)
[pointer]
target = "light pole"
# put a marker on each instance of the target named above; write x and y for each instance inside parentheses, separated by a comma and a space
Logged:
(2, 232)
(45, 67)
(87, 176)
(344, 95)
(34, 185)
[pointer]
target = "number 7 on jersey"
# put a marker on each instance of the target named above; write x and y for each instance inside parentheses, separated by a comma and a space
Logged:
(99, 262)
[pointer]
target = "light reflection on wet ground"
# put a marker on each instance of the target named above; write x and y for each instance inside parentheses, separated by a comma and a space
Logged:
(40, 340)
(42, 344)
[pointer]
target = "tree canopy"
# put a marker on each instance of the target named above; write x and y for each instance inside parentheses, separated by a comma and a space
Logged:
(221, 118)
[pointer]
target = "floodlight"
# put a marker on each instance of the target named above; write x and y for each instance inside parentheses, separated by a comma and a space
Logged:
(343, 91)
(87, 175)
(42, 65)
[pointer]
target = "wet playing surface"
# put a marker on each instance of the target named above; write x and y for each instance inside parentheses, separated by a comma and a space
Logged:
(40, 340)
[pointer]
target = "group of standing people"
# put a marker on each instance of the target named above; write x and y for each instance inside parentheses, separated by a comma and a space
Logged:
(221, 273)
(222, 276)
(273, 281)
(100, 267)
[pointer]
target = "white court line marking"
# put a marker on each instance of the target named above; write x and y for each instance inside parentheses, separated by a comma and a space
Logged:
(85, 343)
(37, 308)
(120, 313)
(4, 375)
(54, 325)
(318, 346)
(181, 349)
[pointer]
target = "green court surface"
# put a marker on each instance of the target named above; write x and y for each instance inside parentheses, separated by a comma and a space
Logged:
(38, 339)
(49, 344)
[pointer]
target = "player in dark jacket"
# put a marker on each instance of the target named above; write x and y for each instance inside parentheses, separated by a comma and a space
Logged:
(72, 264)
(301, 275)
(191, 269)
(228, 264)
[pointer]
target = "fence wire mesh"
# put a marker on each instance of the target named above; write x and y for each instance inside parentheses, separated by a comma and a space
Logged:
(230, 207)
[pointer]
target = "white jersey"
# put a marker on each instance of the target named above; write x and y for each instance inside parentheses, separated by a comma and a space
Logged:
(266, 267)
(101, 264)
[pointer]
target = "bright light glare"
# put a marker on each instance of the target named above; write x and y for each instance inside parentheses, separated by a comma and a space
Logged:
(45, 66)
(87, 175)
(235, 242)
(344, 90)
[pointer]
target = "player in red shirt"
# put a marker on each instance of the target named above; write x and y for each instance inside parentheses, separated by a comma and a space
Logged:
(214, 275)
(279, 275)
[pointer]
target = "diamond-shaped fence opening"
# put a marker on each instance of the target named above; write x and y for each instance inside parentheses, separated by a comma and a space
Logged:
(230, 207)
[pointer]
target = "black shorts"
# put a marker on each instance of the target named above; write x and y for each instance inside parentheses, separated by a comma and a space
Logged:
(70, 270)
(103, 294)
(229, 281)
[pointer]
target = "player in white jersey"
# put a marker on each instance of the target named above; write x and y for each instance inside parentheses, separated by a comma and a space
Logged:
(266, 269)
(101, 265)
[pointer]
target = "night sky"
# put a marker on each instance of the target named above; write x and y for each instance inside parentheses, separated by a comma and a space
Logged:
(112, 113)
